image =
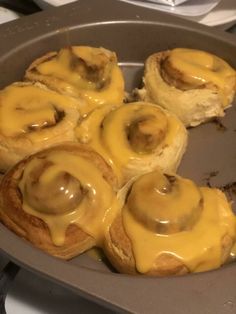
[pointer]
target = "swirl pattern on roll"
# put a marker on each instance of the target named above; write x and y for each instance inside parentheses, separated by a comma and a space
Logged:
(170, 226)
(33, 118)
(89, 73)
(135, 138)
(60, 199)
(193, 84)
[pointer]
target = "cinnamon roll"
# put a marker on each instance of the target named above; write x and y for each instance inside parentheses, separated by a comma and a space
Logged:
(32, 118)
(59, 199)
(170, 226)
(80, 71)
(135, 138)
(193, 84)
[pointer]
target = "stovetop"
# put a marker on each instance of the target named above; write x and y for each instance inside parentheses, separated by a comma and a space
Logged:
(22, 292)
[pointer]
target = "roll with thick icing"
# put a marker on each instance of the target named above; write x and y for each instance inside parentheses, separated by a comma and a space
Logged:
(170, 226)
(89, 73)
(32, 118)
(193, 84)
(135, 138)
(60, 199)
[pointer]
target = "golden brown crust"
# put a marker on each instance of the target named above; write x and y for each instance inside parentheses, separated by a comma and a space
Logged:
(118, 249)
(35, 229)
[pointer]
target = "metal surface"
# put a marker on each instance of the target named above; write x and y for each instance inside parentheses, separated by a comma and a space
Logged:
(134, 33)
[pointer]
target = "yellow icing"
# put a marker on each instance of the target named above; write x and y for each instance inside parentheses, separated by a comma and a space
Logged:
(199, 68)
(106, 131)
(89, 132)
(93, 213)
(170, 208)
(75, 83)
(27, 109)
(199, 248)
(60, 67)
(116, 123)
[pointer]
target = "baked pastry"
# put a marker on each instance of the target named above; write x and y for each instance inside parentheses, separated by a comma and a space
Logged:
(135, 138)
(81, 71)
(59, 199)
(170, 226)
(193, 84)
(32, 118)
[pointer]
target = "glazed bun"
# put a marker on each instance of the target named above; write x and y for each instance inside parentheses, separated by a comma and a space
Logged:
(135, 138)
(170, 226)
(58, 199)
(193, 84)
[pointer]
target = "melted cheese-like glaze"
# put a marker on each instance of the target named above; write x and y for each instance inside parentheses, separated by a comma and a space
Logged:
(60, 67)
(199, 248)
(106, 131)
(199, 68)
(116, 124)
(76, 85)
(170, 209)
(94, 212)
(89, 132)
(28, 107)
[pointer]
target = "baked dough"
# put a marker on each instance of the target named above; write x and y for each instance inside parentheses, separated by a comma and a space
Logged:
(193, 84)
(135, 138)
(170, 226)
(58, 199)
(82, 72)
(32, 118)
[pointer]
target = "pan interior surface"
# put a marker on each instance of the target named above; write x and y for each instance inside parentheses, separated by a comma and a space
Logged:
(134, 37)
